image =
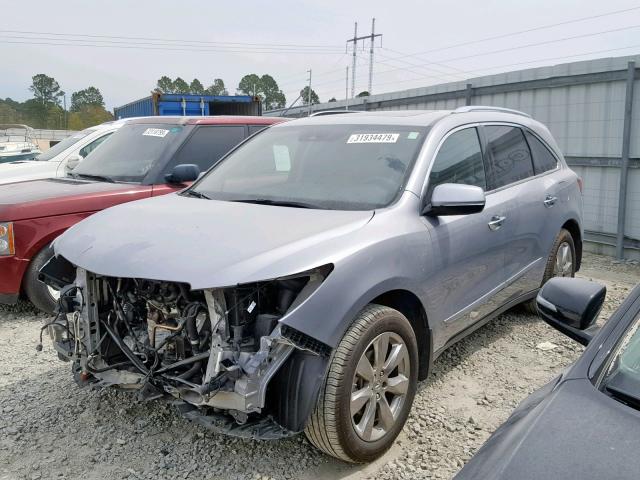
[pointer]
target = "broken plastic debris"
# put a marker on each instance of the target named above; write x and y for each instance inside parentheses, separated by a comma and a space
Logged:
(546, 346)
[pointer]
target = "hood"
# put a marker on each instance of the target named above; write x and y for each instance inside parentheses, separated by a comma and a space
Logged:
(208, 243)
(574, 432)
(61, 196)
(22, 170)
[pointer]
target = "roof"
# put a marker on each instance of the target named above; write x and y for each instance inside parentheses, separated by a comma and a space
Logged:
(212, 120)
(8, 126)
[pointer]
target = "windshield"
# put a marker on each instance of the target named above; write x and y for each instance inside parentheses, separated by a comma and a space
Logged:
(342, 167)
(623, 375)
(63, 145)
(130, 152)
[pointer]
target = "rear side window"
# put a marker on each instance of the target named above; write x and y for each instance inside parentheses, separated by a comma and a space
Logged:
(509, 155)
(543, 159)
(208, 144)
(256, 128)
(459, 160)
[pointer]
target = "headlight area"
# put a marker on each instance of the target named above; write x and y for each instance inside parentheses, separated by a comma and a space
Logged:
(7, 241)
(221, 352)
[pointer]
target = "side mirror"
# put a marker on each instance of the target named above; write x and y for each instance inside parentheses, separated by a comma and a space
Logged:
(186, 172)
(571, 306)
(455, 199)
(72, 162)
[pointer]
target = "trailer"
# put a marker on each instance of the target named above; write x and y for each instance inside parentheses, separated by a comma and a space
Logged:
(164, 104)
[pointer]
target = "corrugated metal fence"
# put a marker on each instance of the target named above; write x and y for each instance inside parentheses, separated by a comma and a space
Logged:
(584, 104)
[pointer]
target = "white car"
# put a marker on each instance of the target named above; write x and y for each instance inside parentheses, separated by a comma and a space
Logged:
(61, 158)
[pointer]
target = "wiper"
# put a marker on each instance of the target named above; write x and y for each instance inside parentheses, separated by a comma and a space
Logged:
(279, 203)
(100, 178)
(196, 194)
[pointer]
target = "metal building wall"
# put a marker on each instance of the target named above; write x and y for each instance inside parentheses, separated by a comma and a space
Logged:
(582, 103)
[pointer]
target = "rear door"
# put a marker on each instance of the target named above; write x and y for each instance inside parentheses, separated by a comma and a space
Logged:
(511, 172)
(468, 249)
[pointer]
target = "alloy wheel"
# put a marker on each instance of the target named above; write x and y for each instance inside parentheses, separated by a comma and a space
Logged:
(380, 386)
(563, 266)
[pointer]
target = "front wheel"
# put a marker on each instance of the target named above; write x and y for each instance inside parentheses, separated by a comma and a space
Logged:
(369, 388)
(41, 295)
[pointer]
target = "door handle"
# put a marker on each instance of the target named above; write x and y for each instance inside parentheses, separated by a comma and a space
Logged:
(496, 222)
(550, 201)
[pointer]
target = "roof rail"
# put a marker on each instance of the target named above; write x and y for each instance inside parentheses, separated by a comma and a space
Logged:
(482, 108)
(322, 113)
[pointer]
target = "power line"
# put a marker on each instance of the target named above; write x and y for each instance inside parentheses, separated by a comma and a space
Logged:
(121, 37)
(520, 32)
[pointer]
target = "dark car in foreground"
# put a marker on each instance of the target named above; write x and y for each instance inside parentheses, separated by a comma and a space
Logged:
(309, 279)
(144, 158)
(584, 424)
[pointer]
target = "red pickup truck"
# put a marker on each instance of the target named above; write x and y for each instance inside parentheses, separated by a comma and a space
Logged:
(146, 157)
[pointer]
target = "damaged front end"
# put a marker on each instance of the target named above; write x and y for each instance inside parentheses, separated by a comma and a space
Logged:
(220, 354)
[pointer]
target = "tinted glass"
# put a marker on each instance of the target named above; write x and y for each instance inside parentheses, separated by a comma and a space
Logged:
(87, 149)
(207, 145)
(346, 167)
(131, 151)
(459, 160)
(510, 157)
(64, 144)
(543, 159)
(622, 378)
(256, 128)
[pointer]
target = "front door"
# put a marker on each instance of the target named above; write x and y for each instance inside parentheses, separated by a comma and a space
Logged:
(468, 250)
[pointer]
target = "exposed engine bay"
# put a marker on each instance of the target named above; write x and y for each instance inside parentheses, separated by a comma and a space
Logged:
(217, 350)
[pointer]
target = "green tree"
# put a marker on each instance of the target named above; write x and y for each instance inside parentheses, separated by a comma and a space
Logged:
(196, 87)
(332, 99)
(45, 89)
(180, 86)
(265, 87)
(88, 96)
(304, 95)
(88, 116)
(363, 94)
(217, 88)
(165, 84)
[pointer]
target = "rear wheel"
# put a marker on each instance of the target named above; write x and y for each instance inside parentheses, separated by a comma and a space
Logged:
(369, 388)
(560, 263)
(41, 295)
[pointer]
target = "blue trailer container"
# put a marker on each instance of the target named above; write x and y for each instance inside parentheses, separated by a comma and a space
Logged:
(190, 104)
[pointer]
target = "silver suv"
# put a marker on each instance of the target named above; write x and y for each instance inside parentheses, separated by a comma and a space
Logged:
(310, 279)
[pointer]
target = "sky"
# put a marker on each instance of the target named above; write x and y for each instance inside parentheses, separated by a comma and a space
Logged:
(123, 47)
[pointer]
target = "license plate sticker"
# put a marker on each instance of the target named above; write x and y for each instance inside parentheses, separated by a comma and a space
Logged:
(155, 132)
(373, 138)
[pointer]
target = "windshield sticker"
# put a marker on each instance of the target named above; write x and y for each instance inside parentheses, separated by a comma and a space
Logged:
(373, 138)
(155, 132)
(282, 158)
(413, 135)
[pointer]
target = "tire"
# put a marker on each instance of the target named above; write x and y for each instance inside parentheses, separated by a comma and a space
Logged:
(564, 240)
(37, 292)
(332, 428)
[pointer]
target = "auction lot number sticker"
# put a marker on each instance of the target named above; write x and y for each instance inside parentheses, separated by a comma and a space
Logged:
(373, 138)
(155, 132)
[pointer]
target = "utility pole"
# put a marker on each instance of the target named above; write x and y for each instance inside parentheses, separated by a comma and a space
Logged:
(346, 89)
(309, 93)
(64, 98)
(355, 41)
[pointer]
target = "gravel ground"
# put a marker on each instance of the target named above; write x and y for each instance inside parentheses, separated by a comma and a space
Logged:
(49, 428)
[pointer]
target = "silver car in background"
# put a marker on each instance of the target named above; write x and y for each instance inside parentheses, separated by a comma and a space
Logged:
(310, 279)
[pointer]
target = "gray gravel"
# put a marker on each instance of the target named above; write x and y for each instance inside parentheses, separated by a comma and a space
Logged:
(49, 428)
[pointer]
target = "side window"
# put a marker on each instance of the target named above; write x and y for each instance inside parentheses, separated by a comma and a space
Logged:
(256, 128)
(543, 159)
(510, 156)
(87, 149)
(459, 160)
(208, 144)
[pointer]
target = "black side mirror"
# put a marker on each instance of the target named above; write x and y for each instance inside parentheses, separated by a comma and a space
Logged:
(186, 172)
(572, 305)
(455, 199)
